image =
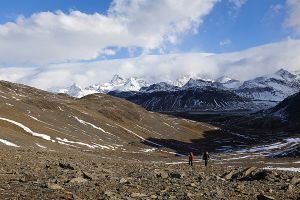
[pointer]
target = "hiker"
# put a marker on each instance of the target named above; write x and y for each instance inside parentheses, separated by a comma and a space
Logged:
(191, 158)
(205, 157)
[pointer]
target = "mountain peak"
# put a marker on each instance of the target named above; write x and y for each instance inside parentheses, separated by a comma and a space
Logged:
(223, 79)
(285, 74)
(117, 79)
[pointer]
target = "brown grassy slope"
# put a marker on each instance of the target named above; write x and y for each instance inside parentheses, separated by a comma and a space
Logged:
(96, 122)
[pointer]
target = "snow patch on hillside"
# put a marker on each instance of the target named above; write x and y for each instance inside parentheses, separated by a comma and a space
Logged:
(92, 125)
(8, 143)
(26, 129)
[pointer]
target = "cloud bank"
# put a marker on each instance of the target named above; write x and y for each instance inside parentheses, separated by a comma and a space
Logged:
(240, 65)
(48, 37)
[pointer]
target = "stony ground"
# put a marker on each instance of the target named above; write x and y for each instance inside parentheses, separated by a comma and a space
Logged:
(31, 174)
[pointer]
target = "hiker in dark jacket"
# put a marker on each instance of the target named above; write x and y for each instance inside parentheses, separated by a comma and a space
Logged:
(205, 157)
(191, 158)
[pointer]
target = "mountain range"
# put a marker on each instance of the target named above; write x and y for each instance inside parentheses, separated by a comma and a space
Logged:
(187, 93)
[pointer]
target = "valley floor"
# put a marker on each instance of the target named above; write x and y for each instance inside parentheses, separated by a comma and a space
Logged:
(43, 174)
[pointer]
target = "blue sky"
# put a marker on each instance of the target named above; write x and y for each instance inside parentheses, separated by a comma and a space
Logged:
(79, 40)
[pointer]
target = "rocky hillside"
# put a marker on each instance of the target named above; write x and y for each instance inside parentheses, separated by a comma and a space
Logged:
(31, 118)
(102, 147)
(69, 175)
(198, 99)
(288, 109)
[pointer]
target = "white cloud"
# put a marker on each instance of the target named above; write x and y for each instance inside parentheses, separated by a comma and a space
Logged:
(225, 42)
(238, 3)
(48, 37)
(276, 8)
(293, 19)
(240, 65)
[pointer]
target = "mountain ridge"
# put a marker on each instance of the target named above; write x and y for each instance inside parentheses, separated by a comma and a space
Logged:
(264, 91)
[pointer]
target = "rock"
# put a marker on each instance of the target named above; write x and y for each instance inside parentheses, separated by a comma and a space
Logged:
(78, 180)
(193, 185)
(54, 186)
(22, 179)
(295, 180)
(249, 171)
(108, 193)
(229, 175)
(68, 195)
(261, 175)
(290, 188)
(162, 174)
(86, 175)
(189, 194)
(123, 181)
(66, 166)
(153, 196)
(177, 175)
(264, 197)
(240, 187)
(137, 195)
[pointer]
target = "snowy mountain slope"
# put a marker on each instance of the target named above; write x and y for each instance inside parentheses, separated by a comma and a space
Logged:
(192, 99)
(228, 82)
(274, 87)
(265, 91)
(199, 83)
(288, 109)
(162, 86)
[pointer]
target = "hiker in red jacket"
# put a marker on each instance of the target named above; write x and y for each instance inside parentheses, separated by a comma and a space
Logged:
(191, 158)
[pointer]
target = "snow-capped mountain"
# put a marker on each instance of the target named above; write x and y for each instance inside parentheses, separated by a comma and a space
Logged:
(265, 91)
(273, 87)
(162, 86)
(182, 80)
(74, 91)
(199, 83)
(116, 84)
(190, 99)
(228, 82)
(120, 84)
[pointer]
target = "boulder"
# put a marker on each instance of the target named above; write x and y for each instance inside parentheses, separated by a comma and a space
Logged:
(249, 171)
(228, 176)
(177, 175)
(123, 181)
(161, 174)
(78, 180)
(295, 180)
(66, 166)
(137, 195)
(54, 186)
(68, 195)
(264, 197)
(87, 176)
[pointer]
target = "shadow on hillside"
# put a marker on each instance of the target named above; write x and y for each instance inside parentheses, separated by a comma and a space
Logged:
(206, 143)
(215, 141)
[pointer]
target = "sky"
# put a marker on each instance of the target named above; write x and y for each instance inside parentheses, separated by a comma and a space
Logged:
(54, 43)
